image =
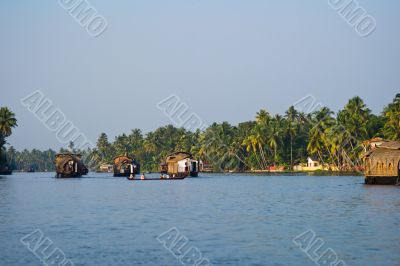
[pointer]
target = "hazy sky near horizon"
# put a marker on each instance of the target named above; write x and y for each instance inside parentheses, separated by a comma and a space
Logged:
(225, 59)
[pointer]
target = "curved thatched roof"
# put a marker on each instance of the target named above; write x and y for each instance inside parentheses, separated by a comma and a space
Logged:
(123, 159)
(177, 156)
(393, 145)
(61, 158)
(69, 154)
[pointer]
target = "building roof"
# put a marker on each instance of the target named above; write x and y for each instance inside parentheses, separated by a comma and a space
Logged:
(312, 159)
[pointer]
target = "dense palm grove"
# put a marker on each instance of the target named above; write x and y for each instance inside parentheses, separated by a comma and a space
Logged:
(269, 140)
(7, 123)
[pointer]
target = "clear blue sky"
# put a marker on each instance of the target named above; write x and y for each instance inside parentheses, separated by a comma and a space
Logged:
(225, 58)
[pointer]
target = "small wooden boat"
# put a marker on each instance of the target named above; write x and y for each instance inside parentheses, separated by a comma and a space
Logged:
(152, 179)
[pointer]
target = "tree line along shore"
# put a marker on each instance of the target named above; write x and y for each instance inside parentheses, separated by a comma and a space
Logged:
(269, 142)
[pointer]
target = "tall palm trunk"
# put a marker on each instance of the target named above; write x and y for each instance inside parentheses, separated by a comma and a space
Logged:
(291, 152)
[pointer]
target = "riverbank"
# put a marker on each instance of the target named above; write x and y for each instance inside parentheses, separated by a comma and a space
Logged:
(287, 172)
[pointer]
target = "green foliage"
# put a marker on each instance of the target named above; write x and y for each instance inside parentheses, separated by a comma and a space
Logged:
(7, 123)
(269, 140)
(391, 114)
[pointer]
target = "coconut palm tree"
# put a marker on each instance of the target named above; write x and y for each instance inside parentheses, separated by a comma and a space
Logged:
(322, 120)
(262, 117)
(354, 117)
(391, 113)
(275, 134)
(7, 121)
(292, 117)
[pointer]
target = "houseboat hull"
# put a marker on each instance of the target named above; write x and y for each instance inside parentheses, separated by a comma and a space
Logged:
(126, 173)
(5, 172)
(61, 175)
(382, 180)
(194, 174)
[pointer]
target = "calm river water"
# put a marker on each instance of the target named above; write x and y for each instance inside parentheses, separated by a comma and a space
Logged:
(231, 219)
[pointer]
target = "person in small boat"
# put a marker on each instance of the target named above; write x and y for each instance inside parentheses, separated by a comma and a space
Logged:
(142, 177)
(162, 176)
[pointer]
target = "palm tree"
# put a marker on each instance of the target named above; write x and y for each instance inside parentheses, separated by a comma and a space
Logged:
(274, 136)
(263, 117)
(354, 117)
(353, 120)
(391, 113)
(322, 120)
(292, 117)
(7, 121)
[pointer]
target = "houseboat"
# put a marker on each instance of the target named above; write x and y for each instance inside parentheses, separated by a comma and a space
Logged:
(69, 165)
(5, 169)
(106, 168)
(180, 164)
(382, 162)
(205, 167)
(125, 166)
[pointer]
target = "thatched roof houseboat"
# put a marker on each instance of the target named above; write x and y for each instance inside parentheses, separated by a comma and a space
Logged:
(180, 164)
(382, 162)
(5, 169)
(106, 168)
(125, 166)
(69, 165)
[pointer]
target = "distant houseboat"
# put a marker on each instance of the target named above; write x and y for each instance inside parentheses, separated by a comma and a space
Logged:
(125, 166)
(205, 167)
(382, 162)
(69, 165)
(180, 164)
(5, 170)
(106, 168)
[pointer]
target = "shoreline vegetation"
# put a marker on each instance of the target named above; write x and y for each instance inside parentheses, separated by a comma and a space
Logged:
(260, 172)
(268, 144)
